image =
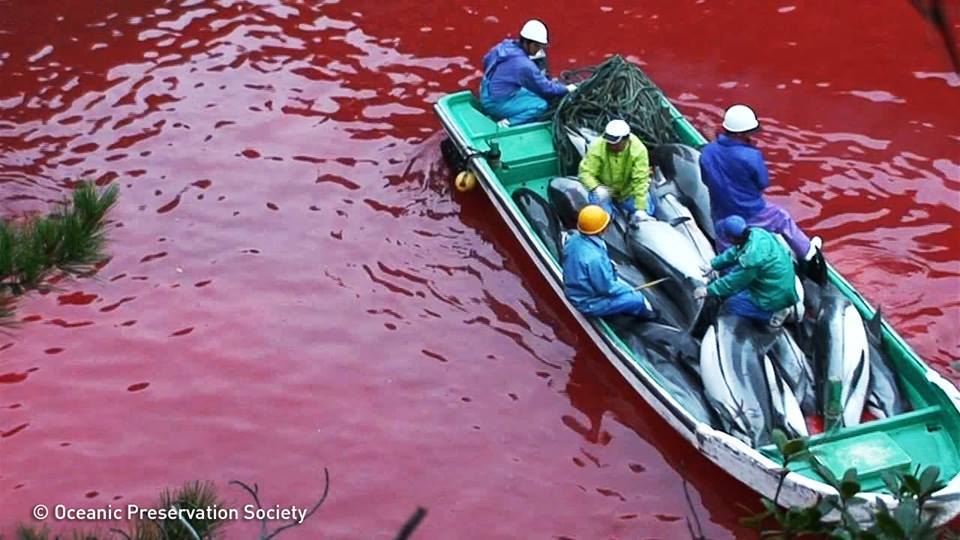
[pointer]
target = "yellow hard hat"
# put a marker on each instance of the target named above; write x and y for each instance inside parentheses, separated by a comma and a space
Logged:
(593, 219)
(465, 181)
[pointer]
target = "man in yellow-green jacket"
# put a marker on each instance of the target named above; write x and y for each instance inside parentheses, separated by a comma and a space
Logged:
(616, 171)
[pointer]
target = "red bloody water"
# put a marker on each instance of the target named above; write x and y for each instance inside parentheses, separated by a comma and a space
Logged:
(292, 284)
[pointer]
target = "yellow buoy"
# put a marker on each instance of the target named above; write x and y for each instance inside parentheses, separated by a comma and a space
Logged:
(465, 181)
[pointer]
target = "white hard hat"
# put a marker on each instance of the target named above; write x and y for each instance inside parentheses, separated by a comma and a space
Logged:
(740, 119)
(616, 131)
(534, 30)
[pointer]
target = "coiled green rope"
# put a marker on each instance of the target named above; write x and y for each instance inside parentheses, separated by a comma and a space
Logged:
(614, 89)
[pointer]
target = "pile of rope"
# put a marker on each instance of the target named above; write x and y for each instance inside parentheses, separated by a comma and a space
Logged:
(614, 89)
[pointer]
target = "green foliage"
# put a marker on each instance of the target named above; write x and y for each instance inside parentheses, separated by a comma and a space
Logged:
(905, 522)
(69, 240)
(194, 496)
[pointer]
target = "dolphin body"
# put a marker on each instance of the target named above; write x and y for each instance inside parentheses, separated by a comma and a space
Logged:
(663, 251)
(542, 217)
(658, 295)
(885, 397)
(784, 406)
(735, 381)
(837, 340)
(672, 355)
(681, 164)
(792, 365)
(568, 196)
(670, 209)
(581, 138)
(843, 359)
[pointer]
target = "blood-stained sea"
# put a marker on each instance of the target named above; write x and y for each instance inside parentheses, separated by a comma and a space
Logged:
(293, 285)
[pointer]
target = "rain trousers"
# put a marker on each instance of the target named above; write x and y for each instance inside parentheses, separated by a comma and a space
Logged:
(761, 280)
(591, 284)
(736, 175)
(626, 174)
(513, 87)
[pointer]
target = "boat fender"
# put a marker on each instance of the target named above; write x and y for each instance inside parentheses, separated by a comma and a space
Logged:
(465, 181)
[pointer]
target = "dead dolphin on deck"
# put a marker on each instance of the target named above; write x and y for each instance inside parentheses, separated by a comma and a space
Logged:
(568, 197)
(662, 251)
(787, 414)
(843, 360)
(681, 165)
(837, 340)
(673, 355)
(670, 209)
(581, 138)
(626, 267)
(542, 218)
(885, 396)
(792, 364)
(734, 379)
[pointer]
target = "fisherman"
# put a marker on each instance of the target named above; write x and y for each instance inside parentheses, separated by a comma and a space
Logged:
(590, 279)
(616, 172)
(735, 173)
(514, 89)
(761, 284)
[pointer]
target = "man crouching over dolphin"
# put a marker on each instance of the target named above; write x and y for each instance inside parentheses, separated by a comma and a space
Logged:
(590, 279)
(761, 284)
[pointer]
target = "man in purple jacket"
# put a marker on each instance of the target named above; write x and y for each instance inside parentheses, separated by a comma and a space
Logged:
(736, 175)
(513, 90)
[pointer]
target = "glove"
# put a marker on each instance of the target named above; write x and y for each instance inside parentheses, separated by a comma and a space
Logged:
(571, 88)
(504, 123)
(700, 293)
(599, 195)
(708, 272)
(639, 216)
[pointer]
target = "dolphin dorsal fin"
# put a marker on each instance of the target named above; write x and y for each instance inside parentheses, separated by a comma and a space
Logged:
(875, 325)
(816, 269)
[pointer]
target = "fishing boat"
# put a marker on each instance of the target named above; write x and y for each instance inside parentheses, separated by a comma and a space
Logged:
(505, 160)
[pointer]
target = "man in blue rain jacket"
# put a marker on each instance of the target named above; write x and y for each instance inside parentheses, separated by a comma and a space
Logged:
(514, 90)
(590, 281)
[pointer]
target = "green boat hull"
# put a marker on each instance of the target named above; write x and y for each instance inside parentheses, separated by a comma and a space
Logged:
(929, 434)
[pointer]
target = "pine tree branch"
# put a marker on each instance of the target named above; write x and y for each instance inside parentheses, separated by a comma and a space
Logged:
(70, 240)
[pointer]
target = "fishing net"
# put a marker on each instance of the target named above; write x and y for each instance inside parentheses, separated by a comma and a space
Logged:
(614, 89)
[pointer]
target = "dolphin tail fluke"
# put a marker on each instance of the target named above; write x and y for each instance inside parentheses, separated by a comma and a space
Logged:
(816, 268)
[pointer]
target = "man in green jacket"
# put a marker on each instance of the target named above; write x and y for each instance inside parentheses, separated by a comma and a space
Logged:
(616, 171)
(761, 284)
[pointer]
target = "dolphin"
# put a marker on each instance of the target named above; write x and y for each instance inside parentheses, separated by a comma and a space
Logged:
(681, 164)
(581, 138)
(628, 271)
(784, 406)
(843, 359)
(568, 196)
(542, 217)
(670, 209)
(837, 340)
(885, 397)
(671, 354)
(734, 379)
(666, 341)
(792, 365)
(663, 251)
